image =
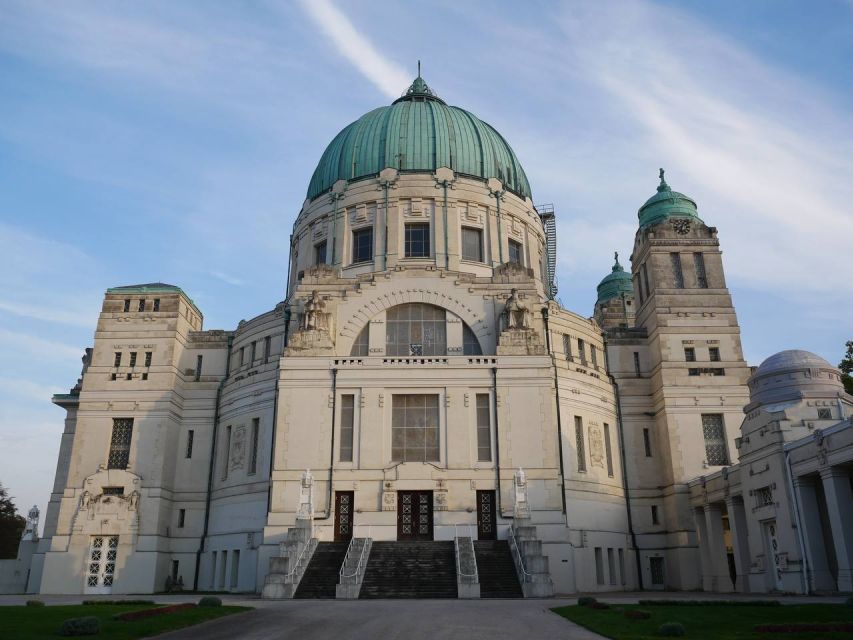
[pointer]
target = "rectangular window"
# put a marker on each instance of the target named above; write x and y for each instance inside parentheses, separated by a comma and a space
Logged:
(579, 443)
(638, 287)
(714, 354)
(190, 438)
(655, 518)
(267, 348)
(320, 253)
(127, 305)
(416, 241)
(472, 244)
(645, 275)
(567, 346)
(254, 351)
(647, 442)
(129, 376)
(148, 356)
(347, 426)
(689, 354)
(198, 363)
(622, 566)
(715, 439)
(117, 361)
(593, 355)
(699, 265)
(114, 376)
(242, 355)
(227, 451)
(145, 376)
(599, 565)
(120, 443)
(113, 491)
(133, 358)
(637, 363)
(824, 414)
(253, 455)
(362, 245)
(182, 518)
(142, 305)
(156, 304)
(516, 252)
(657, 571)
(611, 565)
(763, 496)
(176, 565)
(414, 428)
(582, 350)
(608, 451)
(677, 274)
(484, 430)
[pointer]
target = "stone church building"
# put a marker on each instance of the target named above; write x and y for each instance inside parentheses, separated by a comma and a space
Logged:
(420, 385)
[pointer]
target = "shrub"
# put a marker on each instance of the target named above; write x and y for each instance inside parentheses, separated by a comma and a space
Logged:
(636, 614)
(86, 626)
(671, 630)
(35, 603)
(586, 601)
(210, 601)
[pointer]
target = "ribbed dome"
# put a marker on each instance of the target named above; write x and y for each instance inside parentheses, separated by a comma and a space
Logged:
(791, 375)
(419, 132)
(617, 282)
(792, 359)
(666, 203)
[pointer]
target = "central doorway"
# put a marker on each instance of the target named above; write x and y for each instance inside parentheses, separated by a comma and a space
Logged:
(414, 515)
(343, 515)
(486, 521)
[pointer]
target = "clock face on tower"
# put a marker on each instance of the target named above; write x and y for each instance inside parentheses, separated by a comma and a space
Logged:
(681, 226)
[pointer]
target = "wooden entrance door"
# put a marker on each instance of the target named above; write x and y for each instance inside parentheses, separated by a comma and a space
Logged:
(343, 515)
(414, 515)
(486, 520)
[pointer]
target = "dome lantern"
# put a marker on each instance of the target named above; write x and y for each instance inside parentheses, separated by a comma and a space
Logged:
(615, 284)
(666, 204)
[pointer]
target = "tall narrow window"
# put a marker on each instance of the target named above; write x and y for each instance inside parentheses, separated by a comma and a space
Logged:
(254, 352)
(579, 443)
(148, 356)
(120, 443)
(611, 565)
(608, 451)
(117, 361)
(714, 354)
(472, 244)
(182, 518)
(347, 426)
(242, 355)
(655, 516)
(516, 252)
(127, 305)
(142, 305)
(253, 456)
(567, 346)
(638, 287)
(637, 363)
(133, 358)
(227, 451)
(320, 253)
(645, 274)
(484, 431)
(414, 428)
(362, 245)
(198, 362)
(699, 265)
(470, 344)
(190, 438)
(582, 350)
(622, 566)
(689, 354)
(647, 442)
(156, 306)
(677, 275)
(593, 355)
(599, 565)
(715, 439)
(267, 348)
(416, 241)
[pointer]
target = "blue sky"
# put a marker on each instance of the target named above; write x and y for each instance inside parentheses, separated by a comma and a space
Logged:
(174, 141)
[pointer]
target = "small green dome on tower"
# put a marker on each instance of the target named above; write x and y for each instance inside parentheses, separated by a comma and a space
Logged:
(616, 283)
(419, 132)
(665, 204)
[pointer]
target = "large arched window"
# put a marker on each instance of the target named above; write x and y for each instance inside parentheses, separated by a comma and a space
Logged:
(416, 330)
(361, 346)
(470, 344)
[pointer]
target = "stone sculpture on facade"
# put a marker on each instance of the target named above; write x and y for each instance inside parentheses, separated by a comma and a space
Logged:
(521, 505)
(31, 529)
(313, 334)
(518, 337)
(306, 497)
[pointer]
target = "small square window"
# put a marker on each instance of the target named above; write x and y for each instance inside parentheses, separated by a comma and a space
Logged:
(156, 304)
(129, 376)
(127, 305)
(145, 376)
(114, 376)
(824, 414)
(362, 245)
(689, 354)
(714, 353)
(142, 305)
(417, 241)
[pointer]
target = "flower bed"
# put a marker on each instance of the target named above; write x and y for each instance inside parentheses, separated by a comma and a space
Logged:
(150, 613)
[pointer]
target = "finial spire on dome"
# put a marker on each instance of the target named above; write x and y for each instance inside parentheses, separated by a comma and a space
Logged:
(419, 68)
(663, 186)
(419, 89)
(616, 265)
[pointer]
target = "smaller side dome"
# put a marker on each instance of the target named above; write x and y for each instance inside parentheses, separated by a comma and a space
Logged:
(616, 283)
(665, 204)
(793, 374)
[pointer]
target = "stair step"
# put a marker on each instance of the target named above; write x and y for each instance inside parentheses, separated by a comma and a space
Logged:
(410, 570)
(496, 570)
(322, 574)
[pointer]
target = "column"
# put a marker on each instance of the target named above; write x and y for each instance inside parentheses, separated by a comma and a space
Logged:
(721, 580)
(740, 542)
(820, 575)
(704, 553)
(839, 498)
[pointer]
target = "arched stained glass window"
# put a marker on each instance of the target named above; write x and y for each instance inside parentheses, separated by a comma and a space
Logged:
(361, 345)
(416, 330)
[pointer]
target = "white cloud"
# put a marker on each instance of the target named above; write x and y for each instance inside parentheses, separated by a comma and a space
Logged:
(388, 77)
(37, 347)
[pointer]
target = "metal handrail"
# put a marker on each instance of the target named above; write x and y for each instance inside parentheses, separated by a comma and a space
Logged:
(341, 573)
(292, 573)
(514, 545)
(456, 544)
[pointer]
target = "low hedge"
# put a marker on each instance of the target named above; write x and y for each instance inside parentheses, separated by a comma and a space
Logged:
(671, 630)
(85, 626)
(710, 603)
(586, 601)
(35, 603)
(210, 601)
(127, 616)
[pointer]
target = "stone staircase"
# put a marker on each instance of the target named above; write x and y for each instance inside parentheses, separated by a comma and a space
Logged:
(410, 570)
(537, 582)
(495, 566)
(321, 576)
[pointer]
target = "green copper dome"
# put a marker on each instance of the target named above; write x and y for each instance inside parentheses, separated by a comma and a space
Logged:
(666, 203)
(419, 132)
(617, 282)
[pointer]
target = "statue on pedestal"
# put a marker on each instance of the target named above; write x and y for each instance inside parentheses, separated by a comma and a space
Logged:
(516, 313)
(521, 505)
(306, 497)
(314, 316)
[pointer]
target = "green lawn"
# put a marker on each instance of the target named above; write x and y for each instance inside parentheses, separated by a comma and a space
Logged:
(32, 623)
(712, 622)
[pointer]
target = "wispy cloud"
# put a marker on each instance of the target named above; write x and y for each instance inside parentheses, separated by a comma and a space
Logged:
(36, 346)
(357, 48)
(227, 279)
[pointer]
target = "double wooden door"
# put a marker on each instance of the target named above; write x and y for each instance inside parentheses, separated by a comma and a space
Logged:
(414, 515)
(486, 521)
(344, 508)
